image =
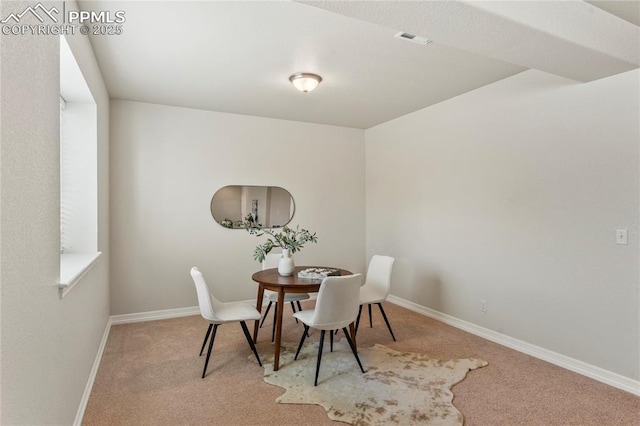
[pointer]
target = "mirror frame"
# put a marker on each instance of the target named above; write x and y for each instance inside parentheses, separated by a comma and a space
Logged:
(237, 224)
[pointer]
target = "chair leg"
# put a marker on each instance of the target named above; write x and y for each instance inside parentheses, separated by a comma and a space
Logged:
(358, 319)
(205, 338)
(315, 383)
(370, 319)
(265, 314)
(304, 336)
(387, 321)
(250, 340)
(331, 340)
(299, 309)
(353, 348)
(293, 308)
(213, 336)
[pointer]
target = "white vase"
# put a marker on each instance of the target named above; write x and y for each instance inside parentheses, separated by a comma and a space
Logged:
(285, 264)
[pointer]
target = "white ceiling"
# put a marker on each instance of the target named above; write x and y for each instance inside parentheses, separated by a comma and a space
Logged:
(629, 10)
(237, 56)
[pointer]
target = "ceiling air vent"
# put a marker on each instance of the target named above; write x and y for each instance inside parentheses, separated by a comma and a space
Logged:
(412, 38)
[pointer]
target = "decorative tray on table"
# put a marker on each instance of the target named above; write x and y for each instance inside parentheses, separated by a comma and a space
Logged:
(318, 273)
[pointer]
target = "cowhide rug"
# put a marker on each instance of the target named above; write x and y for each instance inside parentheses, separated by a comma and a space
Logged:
(400, 388)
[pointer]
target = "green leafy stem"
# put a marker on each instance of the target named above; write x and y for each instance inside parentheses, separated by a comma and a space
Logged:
(285, 238)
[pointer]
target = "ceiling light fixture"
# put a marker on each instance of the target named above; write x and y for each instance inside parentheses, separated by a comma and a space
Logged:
(410, 37)
(305, 82)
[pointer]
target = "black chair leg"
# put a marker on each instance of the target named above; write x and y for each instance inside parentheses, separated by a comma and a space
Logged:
(205, 338)
(353, 348)
(331, 340)
(250, 340)
(293, 308)
(370, 319)
(358, 319)
(387, 321)
(265, 314)
(304, 336)
(213, 336)
(315, 383)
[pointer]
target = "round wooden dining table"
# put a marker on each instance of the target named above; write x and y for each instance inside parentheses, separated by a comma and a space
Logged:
(270, 279)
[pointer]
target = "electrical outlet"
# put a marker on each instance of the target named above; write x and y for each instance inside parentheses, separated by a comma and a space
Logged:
(483, 305)
(622, 236)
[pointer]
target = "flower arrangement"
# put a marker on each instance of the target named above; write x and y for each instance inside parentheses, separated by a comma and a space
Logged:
(286, 238)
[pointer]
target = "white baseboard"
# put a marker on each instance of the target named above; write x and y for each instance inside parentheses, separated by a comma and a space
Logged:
(173, 313)
(168, 313)
(588, 370)
(155, 315)
(605, 376)
(92, 376)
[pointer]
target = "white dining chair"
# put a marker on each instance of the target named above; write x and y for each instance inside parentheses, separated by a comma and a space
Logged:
(376, 288)
(336, 308)
(271, 261)
(216, 313)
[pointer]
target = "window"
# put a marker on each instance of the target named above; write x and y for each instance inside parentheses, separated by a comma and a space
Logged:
(78, 173)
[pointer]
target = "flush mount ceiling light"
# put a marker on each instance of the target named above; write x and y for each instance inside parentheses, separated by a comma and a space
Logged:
(305, 82)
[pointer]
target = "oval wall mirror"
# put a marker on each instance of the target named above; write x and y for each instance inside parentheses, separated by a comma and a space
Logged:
(265, 206)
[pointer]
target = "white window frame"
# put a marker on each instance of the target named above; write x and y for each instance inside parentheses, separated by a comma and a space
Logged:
(78, 173)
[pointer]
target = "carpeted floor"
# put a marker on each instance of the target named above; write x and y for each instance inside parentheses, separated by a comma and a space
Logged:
(150, 375)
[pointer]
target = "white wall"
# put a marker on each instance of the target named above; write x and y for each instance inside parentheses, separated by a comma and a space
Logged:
(512, 193)
(167, 163)
(48, 344)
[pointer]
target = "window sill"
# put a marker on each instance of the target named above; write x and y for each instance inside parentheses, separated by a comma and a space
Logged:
(73, 267)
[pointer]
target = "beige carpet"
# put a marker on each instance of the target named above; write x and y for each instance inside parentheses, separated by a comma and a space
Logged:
(398, 388)
(150, 375)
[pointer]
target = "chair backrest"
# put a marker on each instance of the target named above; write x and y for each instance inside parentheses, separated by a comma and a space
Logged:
(338, 301)
(271, 261)
(379, 273)
(206, 301)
